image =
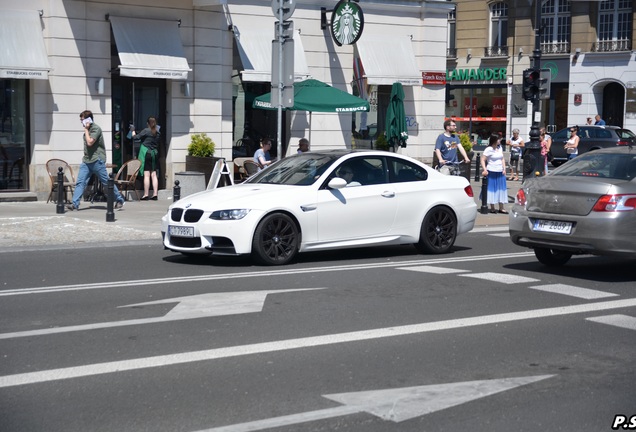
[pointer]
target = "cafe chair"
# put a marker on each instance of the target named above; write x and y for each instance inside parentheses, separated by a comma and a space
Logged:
(250, 167)
(127, 176)
(52, 167)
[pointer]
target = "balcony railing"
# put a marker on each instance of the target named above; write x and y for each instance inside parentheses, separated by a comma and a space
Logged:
(496, 51)
(555, 47)
(612, 45)
(451, 52)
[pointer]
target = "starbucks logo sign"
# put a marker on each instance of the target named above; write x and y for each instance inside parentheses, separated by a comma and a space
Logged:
(347, 21)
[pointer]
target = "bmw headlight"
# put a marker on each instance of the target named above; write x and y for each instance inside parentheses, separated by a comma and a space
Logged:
(234, 214)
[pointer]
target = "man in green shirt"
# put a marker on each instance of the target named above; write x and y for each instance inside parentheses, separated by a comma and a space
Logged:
(94, 161)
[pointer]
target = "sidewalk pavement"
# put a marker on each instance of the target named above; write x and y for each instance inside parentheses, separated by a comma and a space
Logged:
(35, 225)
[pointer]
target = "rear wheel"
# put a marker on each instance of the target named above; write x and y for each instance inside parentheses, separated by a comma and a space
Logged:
(439, 231)
(275, 240)
(552, 257)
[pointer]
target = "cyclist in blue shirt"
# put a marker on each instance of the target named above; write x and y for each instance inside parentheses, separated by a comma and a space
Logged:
(448, 144)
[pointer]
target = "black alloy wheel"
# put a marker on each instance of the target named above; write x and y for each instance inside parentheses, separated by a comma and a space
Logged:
(439, 231)
(275, 240)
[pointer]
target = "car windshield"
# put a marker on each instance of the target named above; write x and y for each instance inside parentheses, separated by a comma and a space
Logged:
(619, 166)
(303, 169)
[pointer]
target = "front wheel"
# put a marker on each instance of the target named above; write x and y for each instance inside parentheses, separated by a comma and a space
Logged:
(552, 257)
(275, 240)
(439, 231)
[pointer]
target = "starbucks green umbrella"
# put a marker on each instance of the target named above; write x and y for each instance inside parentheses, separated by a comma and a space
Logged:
(316, 96)
(396, 133)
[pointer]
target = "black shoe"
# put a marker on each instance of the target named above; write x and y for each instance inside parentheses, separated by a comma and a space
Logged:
(144, 198)
(154, 198)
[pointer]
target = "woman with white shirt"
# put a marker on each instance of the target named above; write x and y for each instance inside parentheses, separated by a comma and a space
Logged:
(572, 145)
(494, 167)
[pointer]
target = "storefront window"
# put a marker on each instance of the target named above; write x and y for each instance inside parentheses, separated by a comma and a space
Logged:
(13, 128)
(478, 110)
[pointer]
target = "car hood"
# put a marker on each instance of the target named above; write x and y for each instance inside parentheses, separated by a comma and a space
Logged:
(244, 195)
(567, 195)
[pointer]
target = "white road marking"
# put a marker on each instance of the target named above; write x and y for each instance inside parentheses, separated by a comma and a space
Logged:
(501, 278)
(396, 405)
(623, 321)
(500, 235)
(490, 229)
(433, 269)
(307, 342)
(574, 291)
(190, 307)
(128, 284)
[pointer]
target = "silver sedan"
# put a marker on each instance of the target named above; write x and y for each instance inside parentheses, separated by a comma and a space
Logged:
(587, 206)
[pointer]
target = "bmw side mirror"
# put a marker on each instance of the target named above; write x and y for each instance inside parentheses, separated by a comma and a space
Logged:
(337, 183)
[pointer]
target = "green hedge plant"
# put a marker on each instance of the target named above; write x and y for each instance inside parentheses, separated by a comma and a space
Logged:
(201, 145)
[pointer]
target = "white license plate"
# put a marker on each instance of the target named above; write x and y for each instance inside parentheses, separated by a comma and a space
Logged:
(180, 231)
(542, 225)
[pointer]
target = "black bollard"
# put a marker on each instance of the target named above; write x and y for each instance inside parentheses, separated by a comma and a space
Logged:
(484, 195)
(176, 192)
(110, 199)
(477, 162)
(59, 208)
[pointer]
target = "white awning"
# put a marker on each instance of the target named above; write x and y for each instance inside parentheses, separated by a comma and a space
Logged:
(387, 59)
(22, 51)
(149, 48)
(254, 35)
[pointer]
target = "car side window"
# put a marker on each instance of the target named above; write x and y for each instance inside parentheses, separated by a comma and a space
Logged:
(402, 171)
(560, 135)
(604, 133)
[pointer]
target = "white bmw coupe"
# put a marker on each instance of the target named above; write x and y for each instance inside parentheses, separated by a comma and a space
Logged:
(324, 200)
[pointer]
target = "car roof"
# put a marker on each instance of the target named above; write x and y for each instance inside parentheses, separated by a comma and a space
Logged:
(594, 126)
(618, 149)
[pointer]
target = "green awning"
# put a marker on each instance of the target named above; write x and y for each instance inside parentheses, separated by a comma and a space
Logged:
(316, 96)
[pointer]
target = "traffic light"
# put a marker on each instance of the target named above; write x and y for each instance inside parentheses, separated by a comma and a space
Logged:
(531, 84)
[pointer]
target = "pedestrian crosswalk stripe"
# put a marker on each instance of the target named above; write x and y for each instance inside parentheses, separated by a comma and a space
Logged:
(433, 269)
(624, 321)
(501, 277)
(574, 291)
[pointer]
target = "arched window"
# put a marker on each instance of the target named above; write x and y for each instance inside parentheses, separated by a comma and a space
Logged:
(555, 24)
(614, 26)
(498, 30)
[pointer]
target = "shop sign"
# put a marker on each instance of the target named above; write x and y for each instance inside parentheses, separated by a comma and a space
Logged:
(481, 74)
(24, 74)
(347, 22)
(438, 78)
(499, 106)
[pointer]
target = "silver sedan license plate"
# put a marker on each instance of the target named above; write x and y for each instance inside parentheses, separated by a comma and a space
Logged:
(542, 225)
(180, 231)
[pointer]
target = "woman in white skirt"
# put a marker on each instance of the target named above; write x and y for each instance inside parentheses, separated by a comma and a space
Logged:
(493, 166)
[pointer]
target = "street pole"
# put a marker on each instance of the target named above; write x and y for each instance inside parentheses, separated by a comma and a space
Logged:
(533, 164)
(279, 126)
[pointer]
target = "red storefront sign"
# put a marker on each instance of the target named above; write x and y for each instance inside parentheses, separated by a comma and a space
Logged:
(467, 107)
(499, 106)
(438, 78)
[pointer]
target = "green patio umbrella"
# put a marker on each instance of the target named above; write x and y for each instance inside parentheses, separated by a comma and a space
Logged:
(396, 133)
(316, 96)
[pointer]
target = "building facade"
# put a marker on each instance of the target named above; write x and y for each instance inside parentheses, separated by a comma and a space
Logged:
(586, 45)
(197, 65)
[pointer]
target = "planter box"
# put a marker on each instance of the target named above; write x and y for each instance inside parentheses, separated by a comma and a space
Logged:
(204, 165)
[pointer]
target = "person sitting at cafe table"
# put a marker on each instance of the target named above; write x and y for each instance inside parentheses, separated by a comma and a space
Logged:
(261, 156)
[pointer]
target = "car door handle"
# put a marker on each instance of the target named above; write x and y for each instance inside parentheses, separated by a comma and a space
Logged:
(388, 194)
